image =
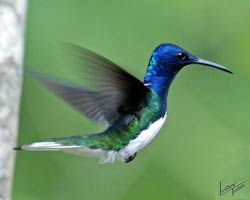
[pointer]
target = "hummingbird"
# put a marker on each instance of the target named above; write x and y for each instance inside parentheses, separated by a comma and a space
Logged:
(134, 111)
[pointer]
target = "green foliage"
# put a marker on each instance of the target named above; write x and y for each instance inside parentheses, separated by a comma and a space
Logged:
(206, 137)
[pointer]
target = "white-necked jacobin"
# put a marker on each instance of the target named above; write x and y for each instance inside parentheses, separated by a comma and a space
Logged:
(133, 110)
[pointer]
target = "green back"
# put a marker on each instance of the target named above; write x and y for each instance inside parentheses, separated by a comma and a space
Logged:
(116, 137)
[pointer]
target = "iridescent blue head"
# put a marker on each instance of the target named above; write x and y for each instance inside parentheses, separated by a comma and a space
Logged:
(166, 61)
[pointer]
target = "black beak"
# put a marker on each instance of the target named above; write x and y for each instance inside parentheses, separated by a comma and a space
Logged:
(211, 64)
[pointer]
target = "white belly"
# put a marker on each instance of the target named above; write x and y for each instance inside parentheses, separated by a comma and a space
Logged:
(135, 145)
(144, 138)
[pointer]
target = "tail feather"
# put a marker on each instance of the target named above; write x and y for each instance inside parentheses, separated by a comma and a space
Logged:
(45, 146)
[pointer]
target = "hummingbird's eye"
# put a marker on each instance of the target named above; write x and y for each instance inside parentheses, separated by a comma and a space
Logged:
(181, 56)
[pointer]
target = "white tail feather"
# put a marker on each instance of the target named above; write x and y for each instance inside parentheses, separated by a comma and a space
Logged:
(46, 146)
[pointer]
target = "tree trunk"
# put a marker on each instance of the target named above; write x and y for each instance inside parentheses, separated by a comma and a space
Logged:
(12, 21)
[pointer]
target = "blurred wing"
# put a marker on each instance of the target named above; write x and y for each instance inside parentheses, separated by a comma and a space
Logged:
(118, 93)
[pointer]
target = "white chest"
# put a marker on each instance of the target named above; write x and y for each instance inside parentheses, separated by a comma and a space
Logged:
(144, 138)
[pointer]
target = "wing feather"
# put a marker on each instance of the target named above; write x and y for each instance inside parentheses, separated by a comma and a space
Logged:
(116, 92)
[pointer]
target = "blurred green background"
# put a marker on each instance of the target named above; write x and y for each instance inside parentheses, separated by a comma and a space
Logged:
(206, 138)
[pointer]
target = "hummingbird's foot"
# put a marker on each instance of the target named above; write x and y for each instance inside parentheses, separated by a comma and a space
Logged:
(130, 158)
